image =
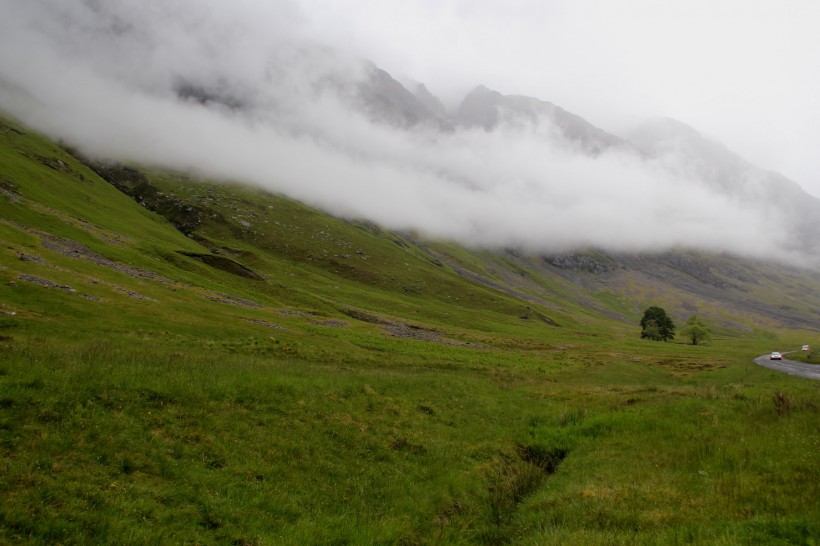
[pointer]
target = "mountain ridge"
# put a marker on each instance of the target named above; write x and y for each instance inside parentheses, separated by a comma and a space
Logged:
(355, 118)
(678, 148)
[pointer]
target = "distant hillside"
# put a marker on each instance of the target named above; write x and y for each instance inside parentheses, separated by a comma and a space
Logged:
(386, 100)
(240, 244)
(713, 164)
(677, 147)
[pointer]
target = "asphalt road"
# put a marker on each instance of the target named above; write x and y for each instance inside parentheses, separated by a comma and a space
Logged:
(791, 367)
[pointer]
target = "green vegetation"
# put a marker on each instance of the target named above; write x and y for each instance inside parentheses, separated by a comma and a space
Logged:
(252, 371)
(811, 356)
(656, 325)
(696, 330)
(113, 442)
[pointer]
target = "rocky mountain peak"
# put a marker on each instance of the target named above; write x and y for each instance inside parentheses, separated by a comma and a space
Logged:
(484, 107)
(479, 108)
(430, 101)
(386, 100)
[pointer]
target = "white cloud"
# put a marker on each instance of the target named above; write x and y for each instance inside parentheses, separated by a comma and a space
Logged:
(744, 72)
(105, 80)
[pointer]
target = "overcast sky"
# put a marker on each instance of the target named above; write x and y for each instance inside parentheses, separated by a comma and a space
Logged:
(105, 75)
(744, 72)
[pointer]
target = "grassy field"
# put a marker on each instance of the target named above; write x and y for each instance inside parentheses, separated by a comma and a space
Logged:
(811, 356)
(152, 441)
(252, 371)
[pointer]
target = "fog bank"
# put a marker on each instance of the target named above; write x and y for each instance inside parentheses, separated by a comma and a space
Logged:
(247, 93)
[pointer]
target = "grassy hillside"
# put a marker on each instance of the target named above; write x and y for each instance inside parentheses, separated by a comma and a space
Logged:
(205, 363)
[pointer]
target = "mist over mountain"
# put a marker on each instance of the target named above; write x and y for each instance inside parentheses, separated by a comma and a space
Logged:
(430, 101)
(384, 99)
(221, 93)
(489, 109)
(714, 165)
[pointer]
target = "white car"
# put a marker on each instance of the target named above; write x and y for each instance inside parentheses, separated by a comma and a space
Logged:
(775, 356)
(805, 347)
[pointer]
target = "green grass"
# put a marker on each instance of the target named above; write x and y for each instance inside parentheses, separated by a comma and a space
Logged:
(132, 442)
(811, 356)
(197, 406)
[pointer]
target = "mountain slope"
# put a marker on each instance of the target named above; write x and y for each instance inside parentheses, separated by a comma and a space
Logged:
(190, 360)
(665, 144)
(714, 165)
(212, 243)
(272, 251)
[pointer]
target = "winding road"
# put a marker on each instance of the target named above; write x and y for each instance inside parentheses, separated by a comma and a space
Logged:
(791, 367)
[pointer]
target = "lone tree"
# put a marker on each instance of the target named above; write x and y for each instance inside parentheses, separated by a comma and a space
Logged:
(696, 330)
(657, 325)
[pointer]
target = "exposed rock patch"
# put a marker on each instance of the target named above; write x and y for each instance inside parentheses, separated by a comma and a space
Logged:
(73, 249)
(184, 216)
(5, 127)
(45, 283)
(367, 317)
(224, 264)
(227, 299)
(9, 190)
(131, 293)
(407, 331)
(303, 314)
(331, 323)
(265, 323)
(694, 267)
(33, 259)
(410, 331)
(597, 265)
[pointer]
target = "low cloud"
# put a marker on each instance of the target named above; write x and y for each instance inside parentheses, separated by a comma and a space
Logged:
(105, 76)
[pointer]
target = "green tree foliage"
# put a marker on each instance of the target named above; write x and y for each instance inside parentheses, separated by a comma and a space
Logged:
(657, 325)
(696, 330)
